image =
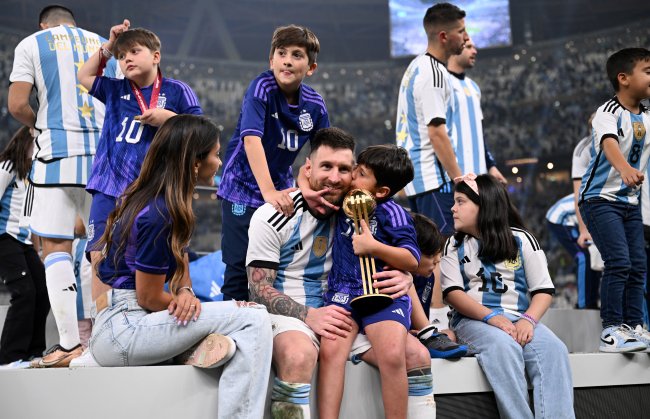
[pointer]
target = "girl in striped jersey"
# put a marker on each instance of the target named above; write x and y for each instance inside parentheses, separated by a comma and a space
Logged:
(495, 276)
(21, 270)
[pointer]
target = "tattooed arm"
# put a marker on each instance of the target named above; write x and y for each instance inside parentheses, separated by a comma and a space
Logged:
(328, 322)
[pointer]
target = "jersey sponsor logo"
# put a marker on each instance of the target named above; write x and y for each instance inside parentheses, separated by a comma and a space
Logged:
(238, 209)
(14, 185)
(464, 260)
(214, 289)
(306, 124)
(91, 231)
(127, 97)
(162, 101)
(609, 341)
(320, 246)
(639, 130)
(340, 298)
(514, 264)
(398, 312)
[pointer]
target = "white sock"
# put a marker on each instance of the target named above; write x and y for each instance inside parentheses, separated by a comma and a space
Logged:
(62, 290)
(421, 403)
(438, 317)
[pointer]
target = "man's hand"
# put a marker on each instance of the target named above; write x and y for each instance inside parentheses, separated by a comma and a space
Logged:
(498, 175)
(329, 321)
(154, 117)
(392, 282)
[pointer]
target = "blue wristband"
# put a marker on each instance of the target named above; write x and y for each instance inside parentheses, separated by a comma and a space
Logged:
(489, 316)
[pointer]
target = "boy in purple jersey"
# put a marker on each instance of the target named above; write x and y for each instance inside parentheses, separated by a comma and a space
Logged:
(135, 107)
(382, 170)
(279, 115)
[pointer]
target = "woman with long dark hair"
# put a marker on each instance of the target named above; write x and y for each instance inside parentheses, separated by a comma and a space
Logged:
(145, 242)
(21, 270)
(495, 276)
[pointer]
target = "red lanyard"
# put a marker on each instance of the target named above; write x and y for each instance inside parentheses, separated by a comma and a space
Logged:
(155, 91)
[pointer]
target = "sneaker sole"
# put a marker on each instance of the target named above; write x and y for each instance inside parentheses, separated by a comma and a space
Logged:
(622, 350)
(213, 351)
(62, 362)
(455, 353)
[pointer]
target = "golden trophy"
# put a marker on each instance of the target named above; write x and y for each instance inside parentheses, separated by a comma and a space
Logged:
(359, 204)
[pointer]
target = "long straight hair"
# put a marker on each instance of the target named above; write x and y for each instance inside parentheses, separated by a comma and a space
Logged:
(18, 152)
(496, 216)
(168, 170)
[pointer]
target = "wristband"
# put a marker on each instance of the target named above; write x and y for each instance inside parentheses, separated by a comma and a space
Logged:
(489, 316)
(529, 318)
(105, 52)
(186, 288)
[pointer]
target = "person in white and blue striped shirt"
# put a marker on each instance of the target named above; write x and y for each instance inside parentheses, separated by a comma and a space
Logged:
(21, 270)
(68, 122)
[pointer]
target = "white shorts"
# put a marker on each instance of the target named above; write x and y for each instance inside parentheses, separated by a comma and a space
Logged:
(55, 210)
(283, 324)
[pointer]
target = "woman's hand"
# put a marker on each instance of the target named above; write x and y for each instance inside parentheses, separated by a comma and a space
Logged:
(184, 307)
(525, 331)
(504, 324)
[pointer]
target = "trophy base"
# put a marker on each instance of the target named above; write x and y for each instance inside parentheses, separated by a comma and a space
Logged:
(370, 303)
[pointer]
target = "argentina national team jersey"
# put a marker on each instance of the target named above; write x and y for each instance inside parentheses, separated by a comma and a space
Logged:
(390, 224)
(424, 95)
(124, 140)
(466, 124)
(11, 203)
(563, 212)
(298, 247)
(601, 180)
(503, 285)
(582, 154)
(283, 128)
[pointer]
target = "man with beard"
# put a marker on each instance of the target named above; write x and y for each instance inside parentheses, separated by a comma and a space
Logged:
(288, 260)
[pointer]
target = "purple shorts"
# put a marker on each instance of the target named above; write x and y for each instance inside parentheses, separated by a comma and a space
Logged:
(399, 310)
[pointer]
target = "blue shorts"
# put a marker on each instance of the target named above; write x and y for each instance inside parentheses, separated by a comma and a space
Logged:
(399, 310)
(436, 205)
(100, 209)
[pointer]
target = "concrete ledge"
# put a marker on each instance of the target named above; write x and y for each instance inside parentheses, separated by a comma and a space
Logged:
(187, 392)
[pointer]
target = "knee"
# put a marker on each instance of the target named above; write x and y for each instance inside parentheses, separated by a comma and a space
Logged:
(503, 350)
(417, 355)
(295, 365)
(392, 357)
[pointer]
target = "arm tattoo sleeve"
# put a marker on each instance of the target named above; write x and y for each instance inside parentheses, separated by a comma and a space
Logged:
(260, 285)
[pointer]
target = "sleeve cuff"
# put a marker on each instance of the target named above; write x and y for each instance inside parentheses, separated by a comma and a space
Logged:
(446, 291)
(436, 122)
(549, 291)
(613, 136)
(265, 264)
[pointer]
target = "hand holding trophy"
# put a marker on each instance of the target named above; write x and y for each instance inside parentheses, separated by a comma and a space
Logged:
(359, 205)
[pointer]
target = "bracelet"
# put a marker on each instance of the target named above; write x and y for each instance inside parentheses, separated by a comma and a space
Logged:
(186, 288)
(529, 318)
(105, 52)
(489, 316)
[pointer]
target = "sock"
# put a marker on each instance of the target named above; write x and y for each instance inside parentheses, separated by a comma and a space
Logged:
(421, 403)
(438, 317)
(290, 400)
(426, 332)
(62, 290)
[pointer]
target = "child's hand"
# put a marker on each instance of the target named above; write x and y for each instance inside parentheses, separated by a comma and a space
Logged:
(525, 332)
(116, 31)
(317, 201)
(632, 177)
(363, 243)
(154, 117)
(281, 200)
(504, 324)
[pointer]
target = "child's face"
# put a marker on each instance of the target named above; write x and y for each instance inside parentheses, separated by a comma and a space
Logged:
(208, 167)
(465, 213)
(364, 178)
(138, 63)
(290, 65)
(639, 80)
(427, 265)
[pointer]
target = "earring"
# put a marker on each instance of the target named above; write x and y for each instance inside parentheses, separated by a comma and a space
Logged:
(196, 175)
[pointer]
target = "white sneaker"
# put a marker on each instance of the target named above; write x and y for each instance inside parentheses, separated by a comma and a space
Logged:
(642, 335)
(620, 339)
(85, 360)
(16, 365)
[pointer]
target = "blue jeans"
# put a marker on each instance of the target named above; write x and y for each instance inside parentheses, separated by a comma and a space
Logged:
(617, 230)
(125, 334)
(505, 364)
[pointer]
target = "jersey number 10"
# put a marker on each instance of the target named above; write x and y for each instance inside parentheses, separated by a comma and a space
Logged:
(129, 135)
(290, 140)
(497, 283)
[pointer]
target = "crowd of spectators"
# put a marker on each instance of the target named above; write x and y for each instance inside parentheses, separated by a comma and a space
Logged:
(536, 101)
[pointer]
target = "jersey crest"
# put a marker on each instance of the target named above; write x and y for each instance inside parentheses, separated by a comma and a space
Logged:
(514, 264)
(639, 130)
(320, 246)
(306, 124)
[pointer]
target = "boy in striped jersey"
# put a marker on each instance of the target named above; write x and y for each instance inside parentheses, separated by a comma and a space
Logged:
(279, 115)
(609, 197)
(67, 123)
(135, 107)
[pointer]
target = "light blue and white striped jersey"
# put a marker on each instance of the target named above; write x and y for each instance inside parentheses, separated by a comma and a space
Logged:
(504, 285)
(466, 124)
(11, 204)
(582, 154)
(424, 95)
(298, 247)
(68, 118)
(612, 120)
(563, 212)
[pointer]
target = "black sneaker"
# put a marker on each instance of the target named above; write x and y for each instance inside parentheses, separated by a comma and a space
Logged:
(440, 346)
